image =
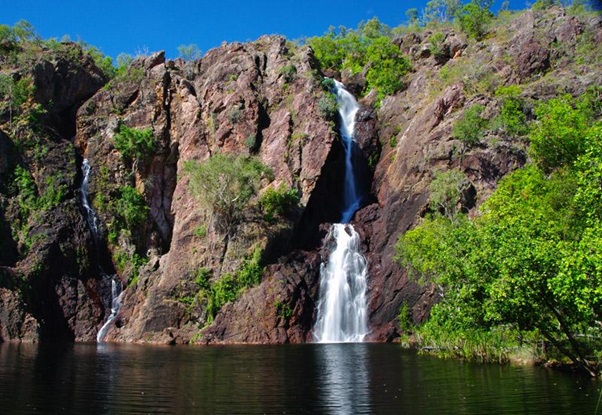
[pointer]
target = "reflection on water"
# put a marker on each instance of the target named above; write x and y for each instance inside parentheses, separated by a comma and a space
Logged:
(344, 379)
(293, 379)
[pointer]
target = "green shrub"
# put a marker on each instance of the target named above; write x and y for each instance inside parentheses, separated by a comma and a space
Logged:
(234, 114)
(283, 310)
(225, 184)
(386, 67)
(475, 17)
(130, 208)
(436, 45)
(252, 143)
(512, 118)
(469, 128)
(134, 143)
(328, 106)
(200, 231)
(446, 192)
(557, 138)
(277, 202)
(189, 52)
(288, 73)
(368, 48)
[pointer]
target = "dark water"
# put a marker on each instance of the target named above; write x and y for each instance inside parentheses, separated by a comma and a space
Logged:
(292, 379)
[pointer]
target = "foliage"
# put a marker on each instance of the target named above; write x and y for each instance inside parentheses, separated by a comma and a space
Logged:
(14, 94)
(475, 17)
(200, 231)
(288, 73)
(277, 202)
(283, 310)
(557, 137)
(531, 263)
(368, 48)
(512, 118)
(134, 144)
(469, 128)
(252, 143)
(386, 66)
(189, 52)
(234, 114)
(436, 45)
(328, 106)
(230, 285)
(225, 184)
(441, 10)
(130, 208)
(446, 192)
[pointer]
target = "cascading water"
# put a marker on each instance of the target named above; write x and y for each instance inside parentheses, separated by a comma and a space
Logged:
(93, 222)
(116, 292)
(348, 107)
(342, 310)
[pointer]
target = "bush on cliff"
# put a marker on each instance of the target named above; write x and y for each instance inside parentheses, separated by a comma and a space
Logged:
(225, 184)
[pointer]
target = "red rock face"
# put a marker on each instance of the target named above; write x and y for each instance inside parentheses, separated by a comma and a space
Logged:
(259, 98)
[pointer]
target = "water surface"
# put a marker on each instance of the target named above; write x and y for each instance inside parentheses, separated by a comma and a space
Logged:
(289, 379)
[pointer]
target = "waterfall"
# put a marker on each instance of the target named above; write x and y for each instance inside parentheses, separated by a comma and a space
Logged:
(348, 107)
(93, 222)
(116, 294)
(342, 309)
(91, 217)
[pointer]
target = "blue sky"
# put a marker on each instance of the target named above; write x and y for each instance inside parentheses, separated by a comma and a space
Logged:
(134, 26)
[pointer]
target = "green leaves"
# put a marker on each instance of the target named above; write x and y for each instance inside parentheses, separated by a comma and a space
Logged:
(532, 260)
(469, 128)
(225, 184)
(368, 48)
(475, 17)
(134, 143)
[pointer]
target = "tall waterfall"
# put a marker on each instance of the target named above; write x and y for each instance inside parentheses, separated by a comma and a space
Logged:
(93, 222)
(342, 309)
(348, 107)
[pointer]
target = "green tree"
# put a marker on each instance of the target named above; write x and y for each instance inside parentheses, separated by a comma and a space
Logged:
(557, 136)
(469, 128)
(474, 18)
(529, 262)
(512, 118)
(189, 52)
(134, 144)
(226, 184)
(446, 191)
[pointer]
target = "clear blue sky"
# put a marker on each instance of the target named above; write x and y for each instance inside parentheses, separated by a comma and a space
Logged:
(133, 26)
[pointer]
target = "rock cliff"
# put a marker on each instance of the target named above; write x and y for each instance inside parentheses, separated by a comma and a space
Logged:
(262, 99)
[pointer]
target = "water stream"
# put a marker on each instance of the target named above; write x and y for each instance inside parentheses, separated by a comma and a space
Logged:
(342, 308)
(93, 222)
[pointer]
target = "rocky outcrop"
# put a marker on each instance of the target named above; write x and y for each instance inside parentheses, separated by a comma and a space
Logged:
(49, 287)
(259, 99)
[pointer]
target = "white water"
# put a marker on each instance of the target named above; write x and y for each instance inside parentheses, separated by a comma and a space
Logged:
(342, 309)
(91, 217)
(93, 222)
(116, 294)
(348, 107)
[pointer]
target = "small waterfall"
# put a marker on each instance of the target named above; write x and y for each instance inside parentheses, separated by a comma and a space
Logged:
(342, 309)
(116, 293)
(93, 222)
(91, 217)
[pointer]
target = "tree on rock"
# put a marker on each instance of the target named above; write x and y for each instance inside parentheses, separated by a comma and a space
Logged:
(226, 184)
